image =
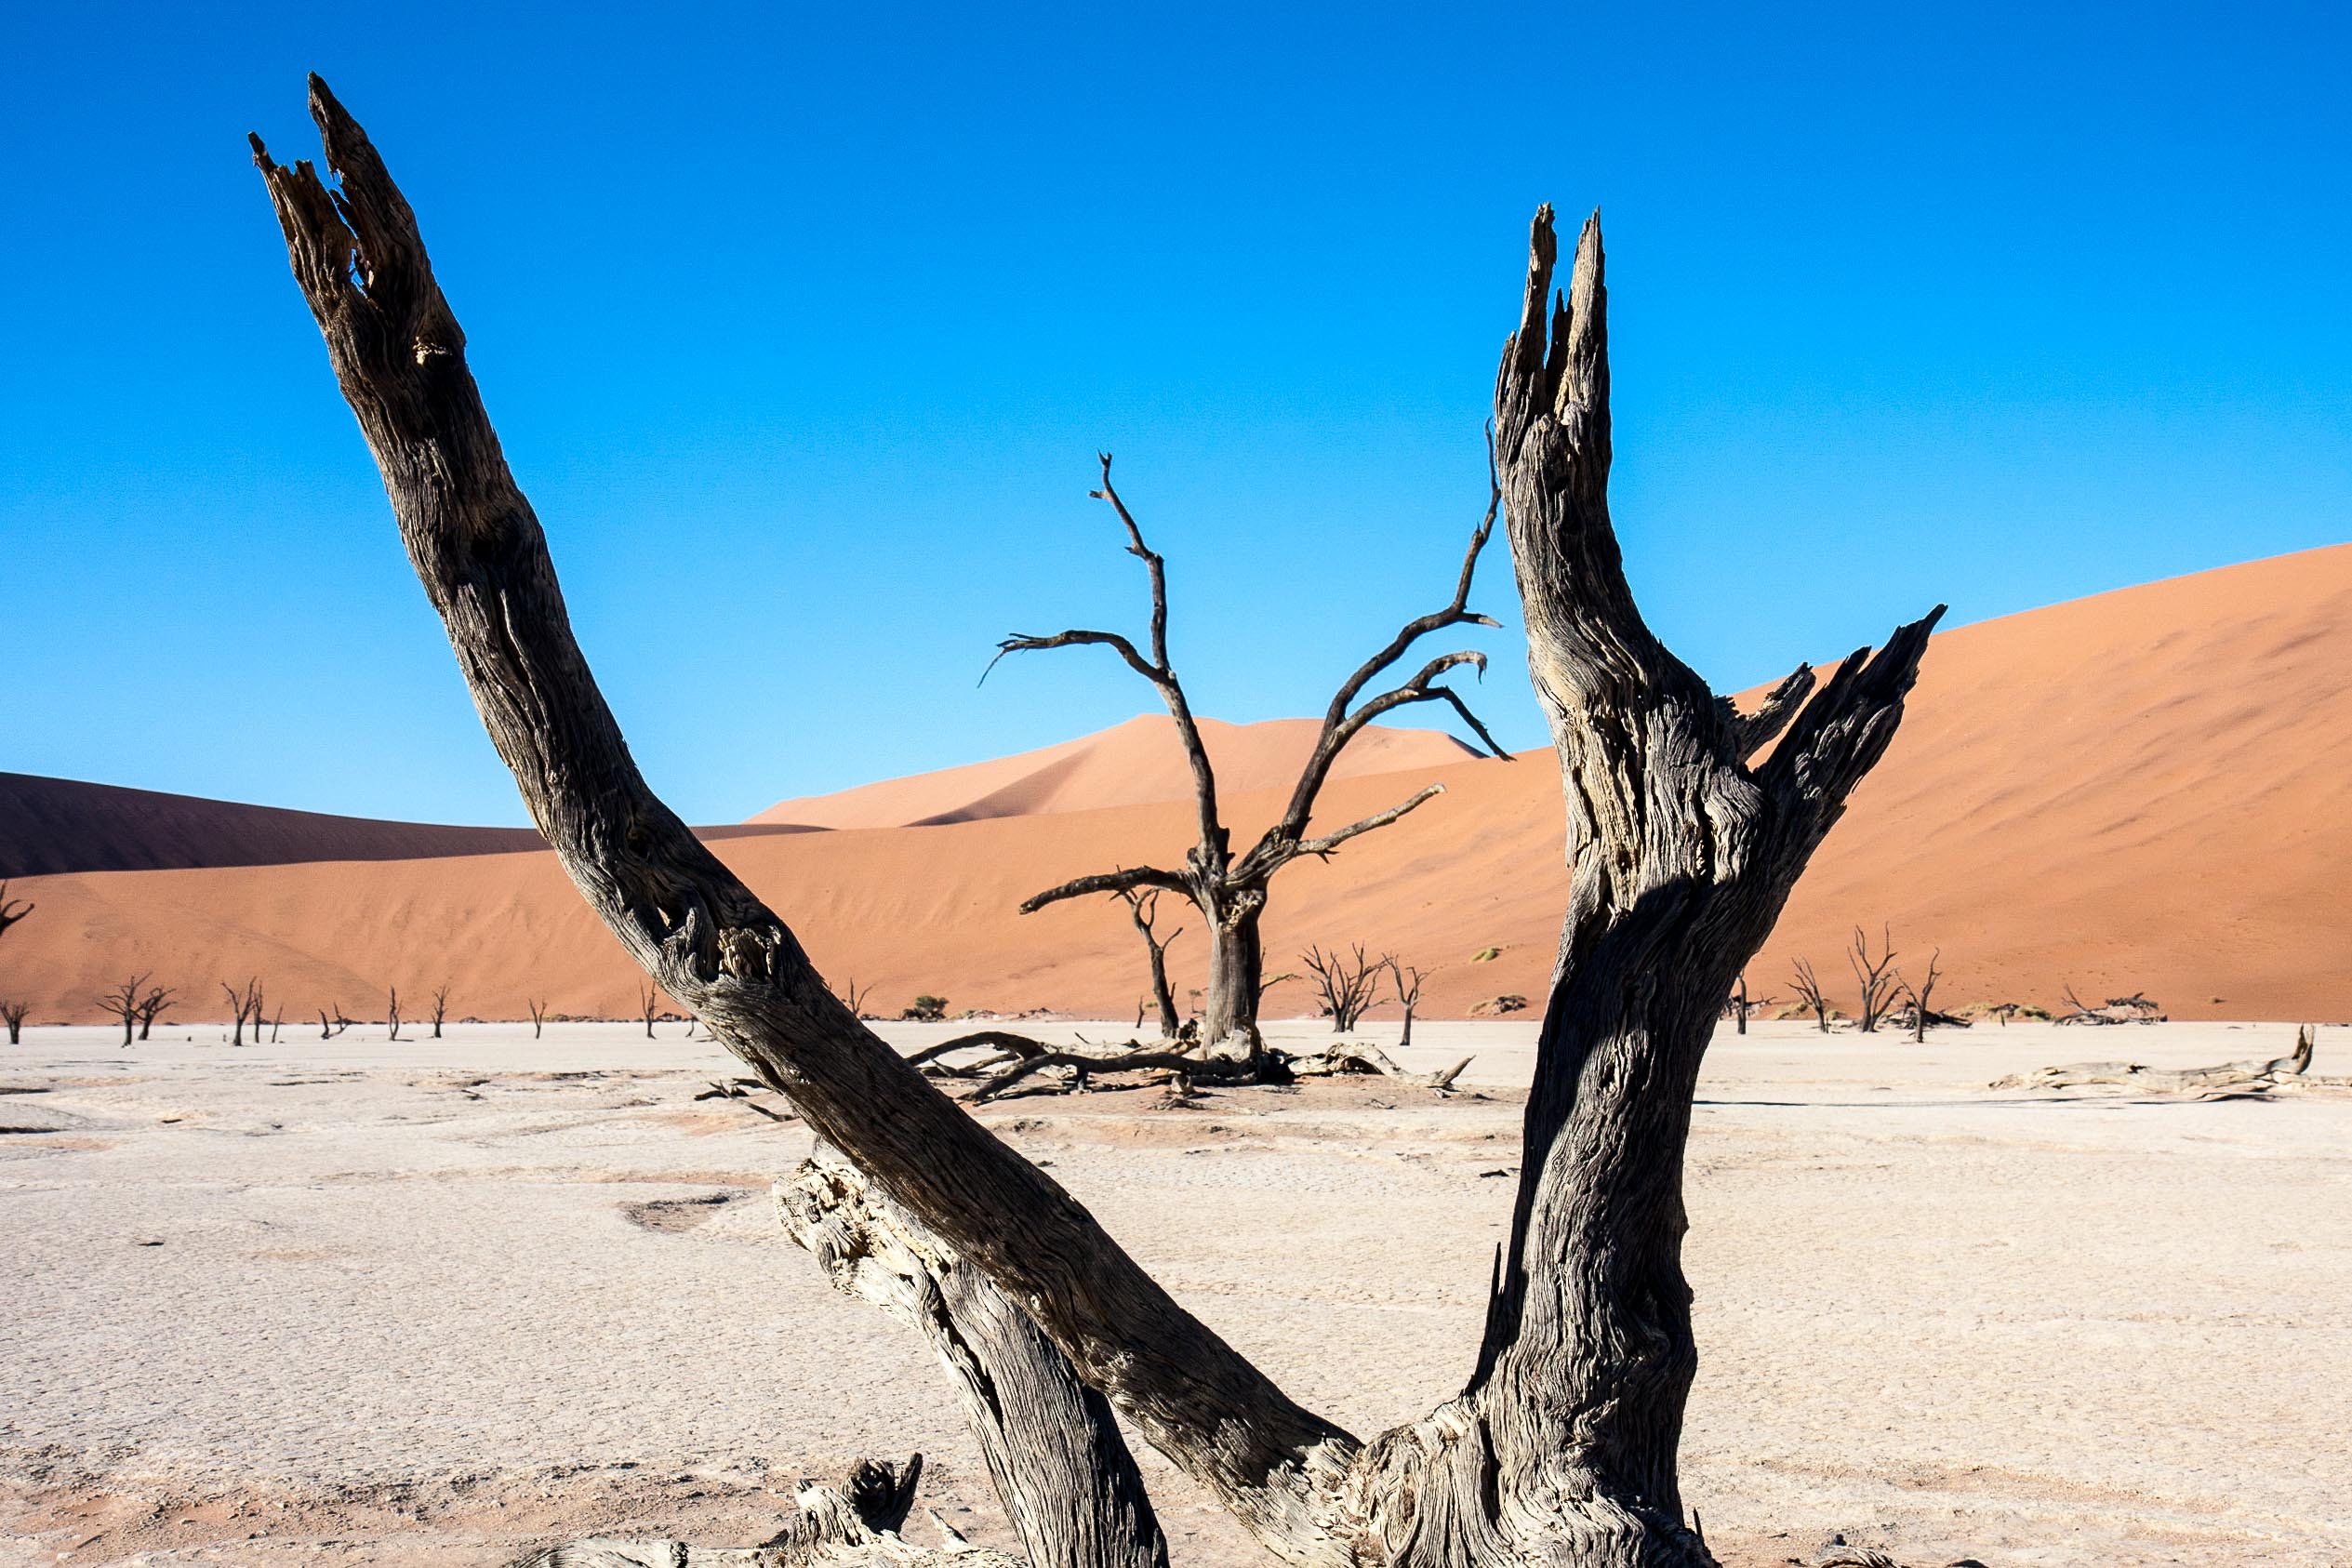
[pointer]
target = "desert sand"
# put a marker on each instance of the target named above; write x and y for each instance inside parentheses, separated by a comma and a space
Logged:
(2140, 791)
(358, 1302)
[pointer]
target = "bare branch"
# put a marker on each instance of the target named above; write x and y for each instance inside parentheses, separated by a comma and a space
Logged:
(9, 911)
(1753, 732)
(1329, 841)
(1103, 881)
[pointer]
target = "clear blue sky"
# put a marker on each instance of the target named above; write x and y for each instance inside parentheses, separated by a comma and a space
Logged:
(802, 325)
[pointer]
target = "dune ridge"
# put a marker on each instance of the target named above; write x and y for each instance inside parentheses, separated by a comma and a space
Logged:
(2142, 790)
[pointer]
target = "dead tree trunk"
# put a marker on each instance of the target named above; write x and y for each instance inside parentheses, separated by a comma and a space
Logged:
(1143, 908)
(440, 1008)
(1807, 985)
(1873, 975)
(392, 1009)
(123, 1002)
(151, 1008)
(12, 1013)
(539, 1018)
(1562, 1448)
(1408, 983)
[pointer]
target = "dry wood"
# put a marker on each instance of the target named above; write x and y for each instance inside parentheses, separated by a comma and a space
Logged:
(2288, 1074)
(1347, 980)
(127, 1003)
(1562, 1448)
(1408, 983)
(1143, 908)
(12, 1013)
(538, 1017)
(1873, 975)
(2133, 1009)
(1807, 986)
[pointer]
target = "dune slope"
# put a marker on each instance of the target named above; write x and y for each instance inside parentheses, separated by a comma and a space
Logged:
(2142, 790)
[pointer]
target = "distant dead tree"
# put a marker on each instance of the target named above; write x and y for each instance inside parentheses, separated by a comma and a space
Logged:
(2133, 1009)
(1561, 1448)
(1919, 998)
(648, 1006)
(243, 1004)
(2004, 1011)
(331, 1026)
(440, 1008)
(1741, 1007)
(1808, 988)
(1230, 891)
(1143, 908)
(393, 1008)
(12, 1013)
(277, 1021)
(11, 911)
(854, 996)
(153, 1005)
(1875, 975)
(1346, 980)
(1408, 983)
(538, 1017)
(124, 1002)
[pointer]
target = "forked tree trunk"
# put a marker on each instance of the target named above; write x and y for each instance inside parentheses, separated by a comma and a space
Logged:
(1560, 1449)
(1163, 999)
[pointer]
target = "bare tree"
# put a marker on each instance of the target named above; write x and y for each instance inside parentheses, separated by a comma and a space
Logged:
(440, 1008)
(1875, 975)
(649, 1006)
(1916, 997)
(1143, 908)
(1562, 1448)
(1408, 983)
(10, 910)
(152, 1007)
(12, 1013)
(1230, 891)
(855, 997)
(1807, 986)
(331, 1026)
(393, 1009)
(538, 1017)
(1346, 980)
(125, 1002)
(243, 1004)
(1741, 1006)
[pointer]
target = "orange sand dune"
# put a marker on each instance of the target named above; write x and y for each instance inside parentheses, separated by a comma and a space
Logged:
(2142, 790)
(51, 825)
(1127, 764)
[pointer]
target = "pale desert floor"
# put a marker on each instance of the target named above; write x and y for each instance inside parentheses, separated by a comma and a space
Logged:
(424, 1303)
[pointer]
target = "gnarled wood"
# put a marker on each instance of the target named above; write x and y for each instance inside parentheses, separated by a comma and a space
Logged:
(1050, 1443)
(2288, 1074)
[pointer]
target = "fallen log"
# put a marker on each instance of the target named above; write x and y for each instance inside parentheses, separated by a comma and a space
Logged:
(2287, 1074)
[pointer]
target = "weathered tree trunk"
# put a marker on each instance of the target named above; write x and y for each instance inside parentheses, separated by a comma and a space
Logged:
(1228, 1019)
(1050, 1443)
(1163, 999)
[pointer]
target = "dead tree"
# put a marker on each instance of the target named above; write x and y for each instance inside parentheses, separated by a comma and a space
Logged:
(392, 1009)
(1875, 975)
(1230, 891)
(10, 910)
(243, 1004)
(152, 1007)
(1143, 908)
(125, 1002)
(1562, 1447)
(538, 1017)
(1917, 998)
(1408, 983)
(1346, 980)
(440, 1008)
(1807, 985)
(854, 996)
(1741, 1007)
(277, 1021)
(649, 1006)
(12, 1013)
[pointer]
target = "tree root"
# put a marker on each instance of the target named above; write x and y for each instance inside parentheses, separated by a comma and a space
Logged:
(2281, 1075)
